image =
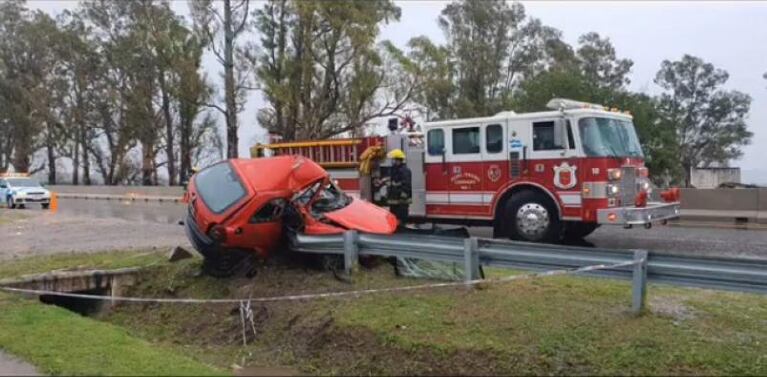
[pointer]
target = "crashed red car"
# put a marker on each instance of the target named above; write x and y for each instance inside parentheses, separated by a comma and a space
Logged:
(248, 205)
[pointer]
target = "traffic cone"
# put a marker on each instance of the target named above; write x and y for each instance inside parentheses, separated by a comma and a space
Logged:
(54, 206)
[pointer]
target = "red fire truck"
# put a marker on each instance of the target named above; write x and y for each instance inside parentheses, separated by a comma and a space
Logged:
(539, 176)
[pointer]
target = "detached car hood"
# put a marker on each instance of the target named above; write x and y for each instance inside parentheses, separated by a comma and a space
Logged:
(365, 217)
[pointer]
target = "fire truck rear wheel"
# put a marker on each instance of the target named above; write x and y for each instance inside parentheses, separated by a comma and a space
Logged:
(531, 216)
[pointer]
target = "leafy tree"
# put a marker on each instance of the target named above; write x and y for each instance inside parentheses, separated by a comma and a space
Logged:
(599, 63)
(321, 70)
(492, 47)
(710, 122)
(220, 24)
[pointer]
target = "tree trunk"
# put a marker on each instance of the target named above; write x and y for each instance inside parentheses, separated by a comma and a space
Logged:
(168, 131)
(76, 157)
(229, 87)
(51, 163)
(86, 159)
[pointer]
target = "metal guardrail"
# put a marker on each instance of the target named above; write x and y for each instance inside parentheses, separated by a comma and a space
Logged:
(736, 274)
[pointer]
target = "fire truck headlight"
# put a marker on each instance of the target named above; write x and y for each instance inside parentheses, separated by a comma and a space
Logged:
(614, 174)
(646, 186)
(612, 189)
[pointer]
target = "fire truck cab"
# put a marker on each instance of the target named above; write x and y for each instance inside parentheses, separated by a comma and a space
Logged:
(535, 176)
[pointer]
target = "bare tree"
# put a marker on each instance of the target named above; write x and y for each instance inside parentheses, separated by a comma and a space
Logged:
(221, 23)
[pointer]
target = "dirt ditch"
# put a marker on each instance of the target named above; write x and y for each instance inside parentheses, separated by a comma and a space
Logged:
(286, 337)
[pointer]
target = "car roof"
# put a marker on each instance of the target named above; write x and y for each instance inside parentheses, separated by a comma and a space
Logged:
(279, 173)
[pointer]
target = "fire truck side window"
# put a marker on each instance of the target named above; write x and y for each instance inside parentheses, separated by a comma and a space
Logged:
(545, 137)
(436, 142)
(494, 138)
(466, 140)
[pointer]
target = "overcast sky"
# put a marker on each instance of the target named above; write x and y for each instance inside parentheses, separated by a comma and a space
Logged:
(731, 35)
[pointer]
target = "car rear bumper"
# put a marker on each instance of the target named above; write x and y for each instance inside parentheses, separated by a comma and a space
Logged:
(651, 213)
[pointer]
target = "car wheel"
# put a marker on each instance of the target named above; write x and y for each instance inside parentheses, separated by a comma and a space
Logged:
(530, 216)
(46, 205)
(228, 262)
(576, 231)
(11, 203)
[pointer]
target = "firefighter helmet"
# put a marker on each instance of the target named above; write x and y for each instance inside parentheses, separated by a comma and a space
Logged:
(397, 154)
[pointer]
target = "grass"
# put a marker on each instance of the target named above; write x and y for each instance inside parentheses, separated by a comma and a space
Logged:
(106, 260)
(556, 325)
(59, 342)
(553, 325)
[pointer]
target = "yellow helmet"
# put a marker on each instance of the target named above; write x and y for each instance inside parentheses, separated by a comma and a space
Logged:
(396, 154)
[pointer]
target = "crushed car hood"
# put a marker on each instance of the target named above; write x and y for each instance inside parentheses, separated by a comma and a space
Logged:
(365, 217)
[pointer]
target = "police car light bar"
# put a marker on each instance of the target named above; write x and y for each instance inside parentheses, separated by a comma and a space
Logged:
(569, 104)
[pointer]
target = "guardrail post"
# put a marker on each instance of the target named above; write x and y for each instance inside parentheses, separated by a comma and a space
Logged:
(351, 251)
(639, 282)
(471, 259)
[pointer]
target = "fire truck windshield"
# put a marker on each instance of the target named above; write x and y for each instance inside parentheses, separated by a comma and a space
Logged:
(609, 137)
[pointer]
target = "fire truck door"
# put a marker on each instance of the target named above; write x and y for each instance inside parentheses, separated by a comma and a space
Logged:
(495, 161)
(552, 158)
(436, 172)
(466, 170)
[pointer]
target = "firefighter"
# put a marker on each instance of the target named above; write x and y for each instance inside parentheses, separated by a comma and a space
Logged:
(399, 189)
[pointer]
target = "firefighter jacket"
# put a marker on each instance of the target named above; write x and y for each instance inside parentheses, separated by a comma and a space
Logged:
(400, 189)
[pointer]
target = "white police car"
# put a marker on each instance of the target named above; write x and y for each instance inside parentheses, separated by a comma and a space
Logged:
(18, 190)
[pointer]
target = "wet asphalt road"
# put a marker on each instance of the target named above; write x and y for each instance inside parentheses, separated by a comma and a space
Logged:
(710, 241)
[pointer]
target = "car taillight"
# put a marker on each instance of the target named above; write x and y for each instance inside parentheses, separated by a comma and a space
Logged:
(218, 233)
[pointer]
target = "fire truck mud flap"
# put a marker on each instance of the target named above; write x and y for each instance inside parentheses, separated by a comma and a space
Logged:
(653, 212)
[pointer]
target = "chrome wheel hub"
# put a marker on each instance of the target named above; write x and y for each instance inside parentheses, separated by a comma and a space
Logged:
(532, 220)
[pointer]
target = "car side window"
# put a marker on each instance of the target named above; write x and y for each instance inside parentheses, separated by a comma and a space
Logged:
(436, 139)
(494, 138)
(466, 140)
(545, 138)
(270, 212)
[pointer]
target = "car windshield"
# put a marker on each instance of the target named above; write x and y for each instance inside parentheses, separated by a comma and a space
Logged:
(23, 182)
(219, 187)
(324, 197)
(330, 199)
(609, 137)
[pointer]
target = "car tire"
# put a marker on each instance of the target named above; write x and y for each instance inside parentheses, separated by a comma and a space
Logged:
(46, 205)
(576, 231)
(10, 202)
(532, 217)
(228, 262)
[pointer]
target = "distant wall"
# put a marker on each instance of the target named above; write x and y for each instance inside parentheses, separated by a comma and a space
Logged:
(709, 178)
(725, 204)
(119, 190)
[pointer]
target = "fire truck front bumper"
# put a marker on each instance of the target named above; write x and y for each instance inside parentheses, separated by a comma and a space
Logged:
(653, 212)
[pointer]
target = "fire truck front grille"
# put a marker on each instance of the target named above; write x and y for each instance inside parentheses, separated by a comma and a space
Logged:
(628, 187)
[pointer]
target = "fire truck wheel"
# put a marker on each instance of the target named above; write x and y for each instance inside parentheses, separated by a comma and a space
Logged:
(530, 216)
(575, 231)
